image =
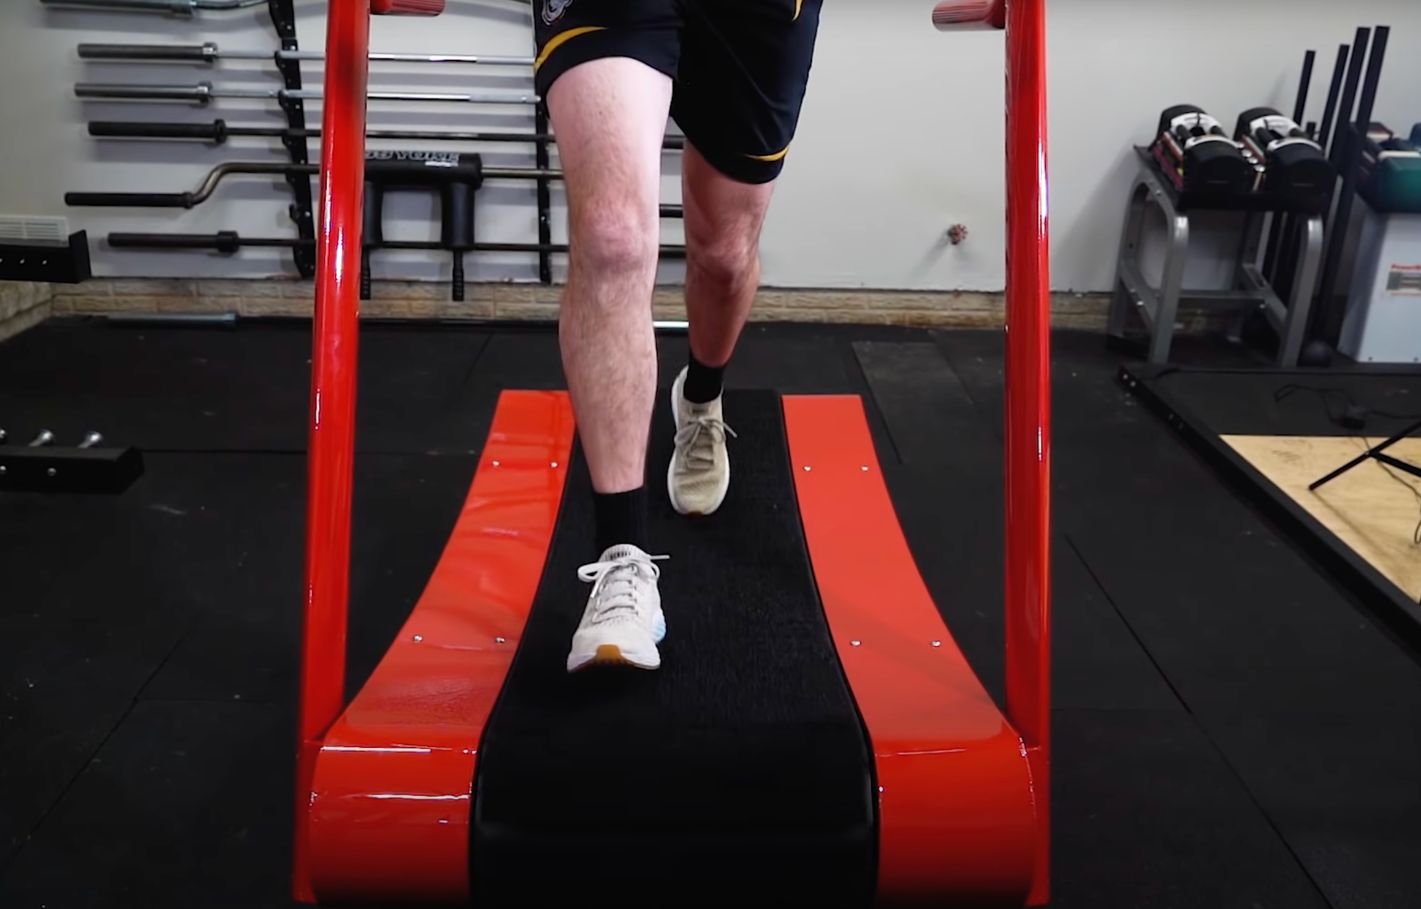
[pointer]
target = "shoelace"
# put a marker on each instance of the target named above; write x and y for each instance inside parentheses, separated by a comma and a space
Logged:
(699, 438)
(614, 584)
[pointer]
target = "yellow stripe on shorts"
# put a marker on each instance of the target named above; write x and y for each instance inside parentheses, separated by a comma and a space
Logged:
(562, 38)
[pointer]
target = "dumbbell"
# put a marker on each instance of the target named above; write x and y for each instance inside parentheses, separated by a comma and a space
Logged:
(1295, 163)
(1199, 155)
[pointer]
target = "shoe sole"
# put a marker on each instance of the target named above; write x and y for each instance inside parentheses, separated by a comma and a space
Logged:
(671, 468)
(609, 655)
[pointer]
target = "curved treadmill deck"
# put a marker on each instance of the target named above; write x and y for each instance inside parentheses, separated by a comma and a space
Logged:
(813, 737)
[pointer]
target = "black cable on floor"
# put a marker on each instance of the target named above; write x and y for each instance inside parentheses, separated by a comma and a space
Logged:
(1348, 402)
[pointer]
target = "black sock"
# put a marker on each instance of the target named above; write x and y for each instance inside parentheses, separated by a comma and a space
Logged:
(621, 518)
(703, 383)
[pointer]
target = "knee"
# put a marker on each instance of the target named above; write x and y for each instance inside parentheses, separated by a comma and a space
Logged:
(728, 260)
(615, 240)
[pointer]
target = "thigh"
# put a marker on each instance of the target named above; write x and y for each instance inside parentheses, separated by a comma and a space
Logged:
(723, 215)
(610, 119)
(743, 73)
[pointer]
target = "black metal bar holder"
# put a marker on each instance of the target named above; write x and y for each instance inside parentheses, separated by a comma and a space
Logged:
(47, 261)
(75, 470)
(302, 210)
(545, 216)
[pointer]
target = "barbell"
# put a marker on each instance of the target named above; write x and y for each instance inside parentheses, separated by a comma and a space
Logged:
(185, 8)
(218, 131)
(206, 92)
(210, 52)
(215, 176)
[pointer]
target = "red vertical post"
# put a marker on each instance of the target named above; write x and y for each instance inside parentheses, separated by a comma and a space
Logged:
(1028, 410)
(332, 432)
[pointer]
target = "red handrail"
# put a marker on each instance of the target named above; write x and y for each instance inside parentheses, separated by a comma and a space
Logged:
(333, 368)
(1028, 409)
(1028, 389)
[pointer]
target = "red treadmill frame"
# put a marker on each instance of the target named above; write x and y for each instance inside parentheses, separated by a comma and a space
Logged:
(382, 794)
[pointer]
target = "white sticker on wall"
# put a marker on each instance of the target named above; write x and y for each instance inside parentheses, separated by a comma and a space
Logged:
(1404, 281)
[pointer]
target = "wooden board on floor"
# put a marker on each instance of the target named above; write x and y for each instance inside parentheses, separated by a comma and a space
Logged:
(1373, 508)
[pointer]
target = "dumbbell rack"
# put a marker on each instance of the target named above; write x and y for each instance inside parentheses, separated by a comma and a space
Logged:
(42, 466)
(1157, 307)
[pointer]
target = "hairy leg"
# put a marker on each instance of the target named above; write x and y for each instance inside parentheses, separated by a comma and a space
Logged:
(723, 222)
(610, 117)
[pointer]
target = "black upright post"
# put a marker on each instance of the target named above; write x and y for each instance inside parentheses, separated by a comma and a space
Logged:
(1281, 228)
(1339, 71)
(1331, 312)
(1349, 92)
(545, 204)
(1300, 107)
(1281, 277)
(1337, 234)
(302, 210)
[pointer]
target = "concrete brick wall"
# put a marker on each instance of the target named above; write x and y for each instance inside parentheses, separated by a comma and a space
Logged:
(22, 305)
(531, 302)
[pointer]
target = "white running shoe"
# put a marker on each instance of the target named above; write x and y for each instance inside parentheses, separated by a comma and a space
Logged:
(699, 475)
(623, 621)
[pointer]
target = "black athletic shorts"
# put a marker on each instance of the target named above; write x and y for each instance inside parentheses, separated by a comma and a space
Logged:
(740, 66)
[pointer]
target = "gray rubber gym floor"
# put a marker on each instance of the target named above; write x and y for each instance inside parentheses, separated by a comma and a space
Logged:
(1232, 730)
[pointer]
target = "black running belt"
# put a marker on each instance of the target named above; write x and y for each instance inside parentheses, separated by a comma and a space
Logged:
(737, 774)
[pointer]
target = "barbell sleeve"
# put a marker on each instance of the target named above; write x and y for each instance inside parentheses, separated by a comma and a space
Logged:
(200, 93)
(216, 131)
(171, 7)
(130, 200)
(181, 53)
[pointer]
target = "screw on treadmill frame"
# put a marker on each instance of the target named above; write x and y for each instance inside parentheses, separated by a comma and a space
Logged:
(3, 437)
(43, 439)
(91, 440)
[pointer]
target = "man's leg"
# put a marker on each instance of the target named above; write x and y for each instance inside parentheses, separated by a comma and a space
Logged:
(743, 73)
(610, 117)
(723, 221)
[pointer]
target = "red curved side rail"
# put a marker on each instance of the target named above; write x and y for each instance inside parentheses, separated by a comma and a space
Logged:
(390, 800)
(956, 799)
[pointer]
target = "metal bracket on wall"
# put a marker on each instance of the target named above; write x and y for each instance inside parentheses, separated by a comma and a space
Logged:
(283, 17)
(47, 261)
(545, 217)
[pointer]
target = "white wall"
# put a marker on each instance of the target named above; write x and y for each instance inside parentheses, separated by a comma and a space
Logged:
(901, 135)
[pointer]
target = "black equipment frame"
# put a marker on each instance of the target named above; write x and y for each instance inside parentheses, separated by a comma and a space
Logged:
(1387, 602)
(298, 150)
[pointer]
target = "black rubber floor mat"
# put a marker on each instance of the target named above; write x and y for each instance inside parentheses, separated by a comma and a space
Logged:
(738, 774)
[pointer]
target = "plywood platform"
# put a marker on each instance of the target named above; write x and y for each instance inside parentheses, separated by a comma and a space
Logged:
(1373, 508)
